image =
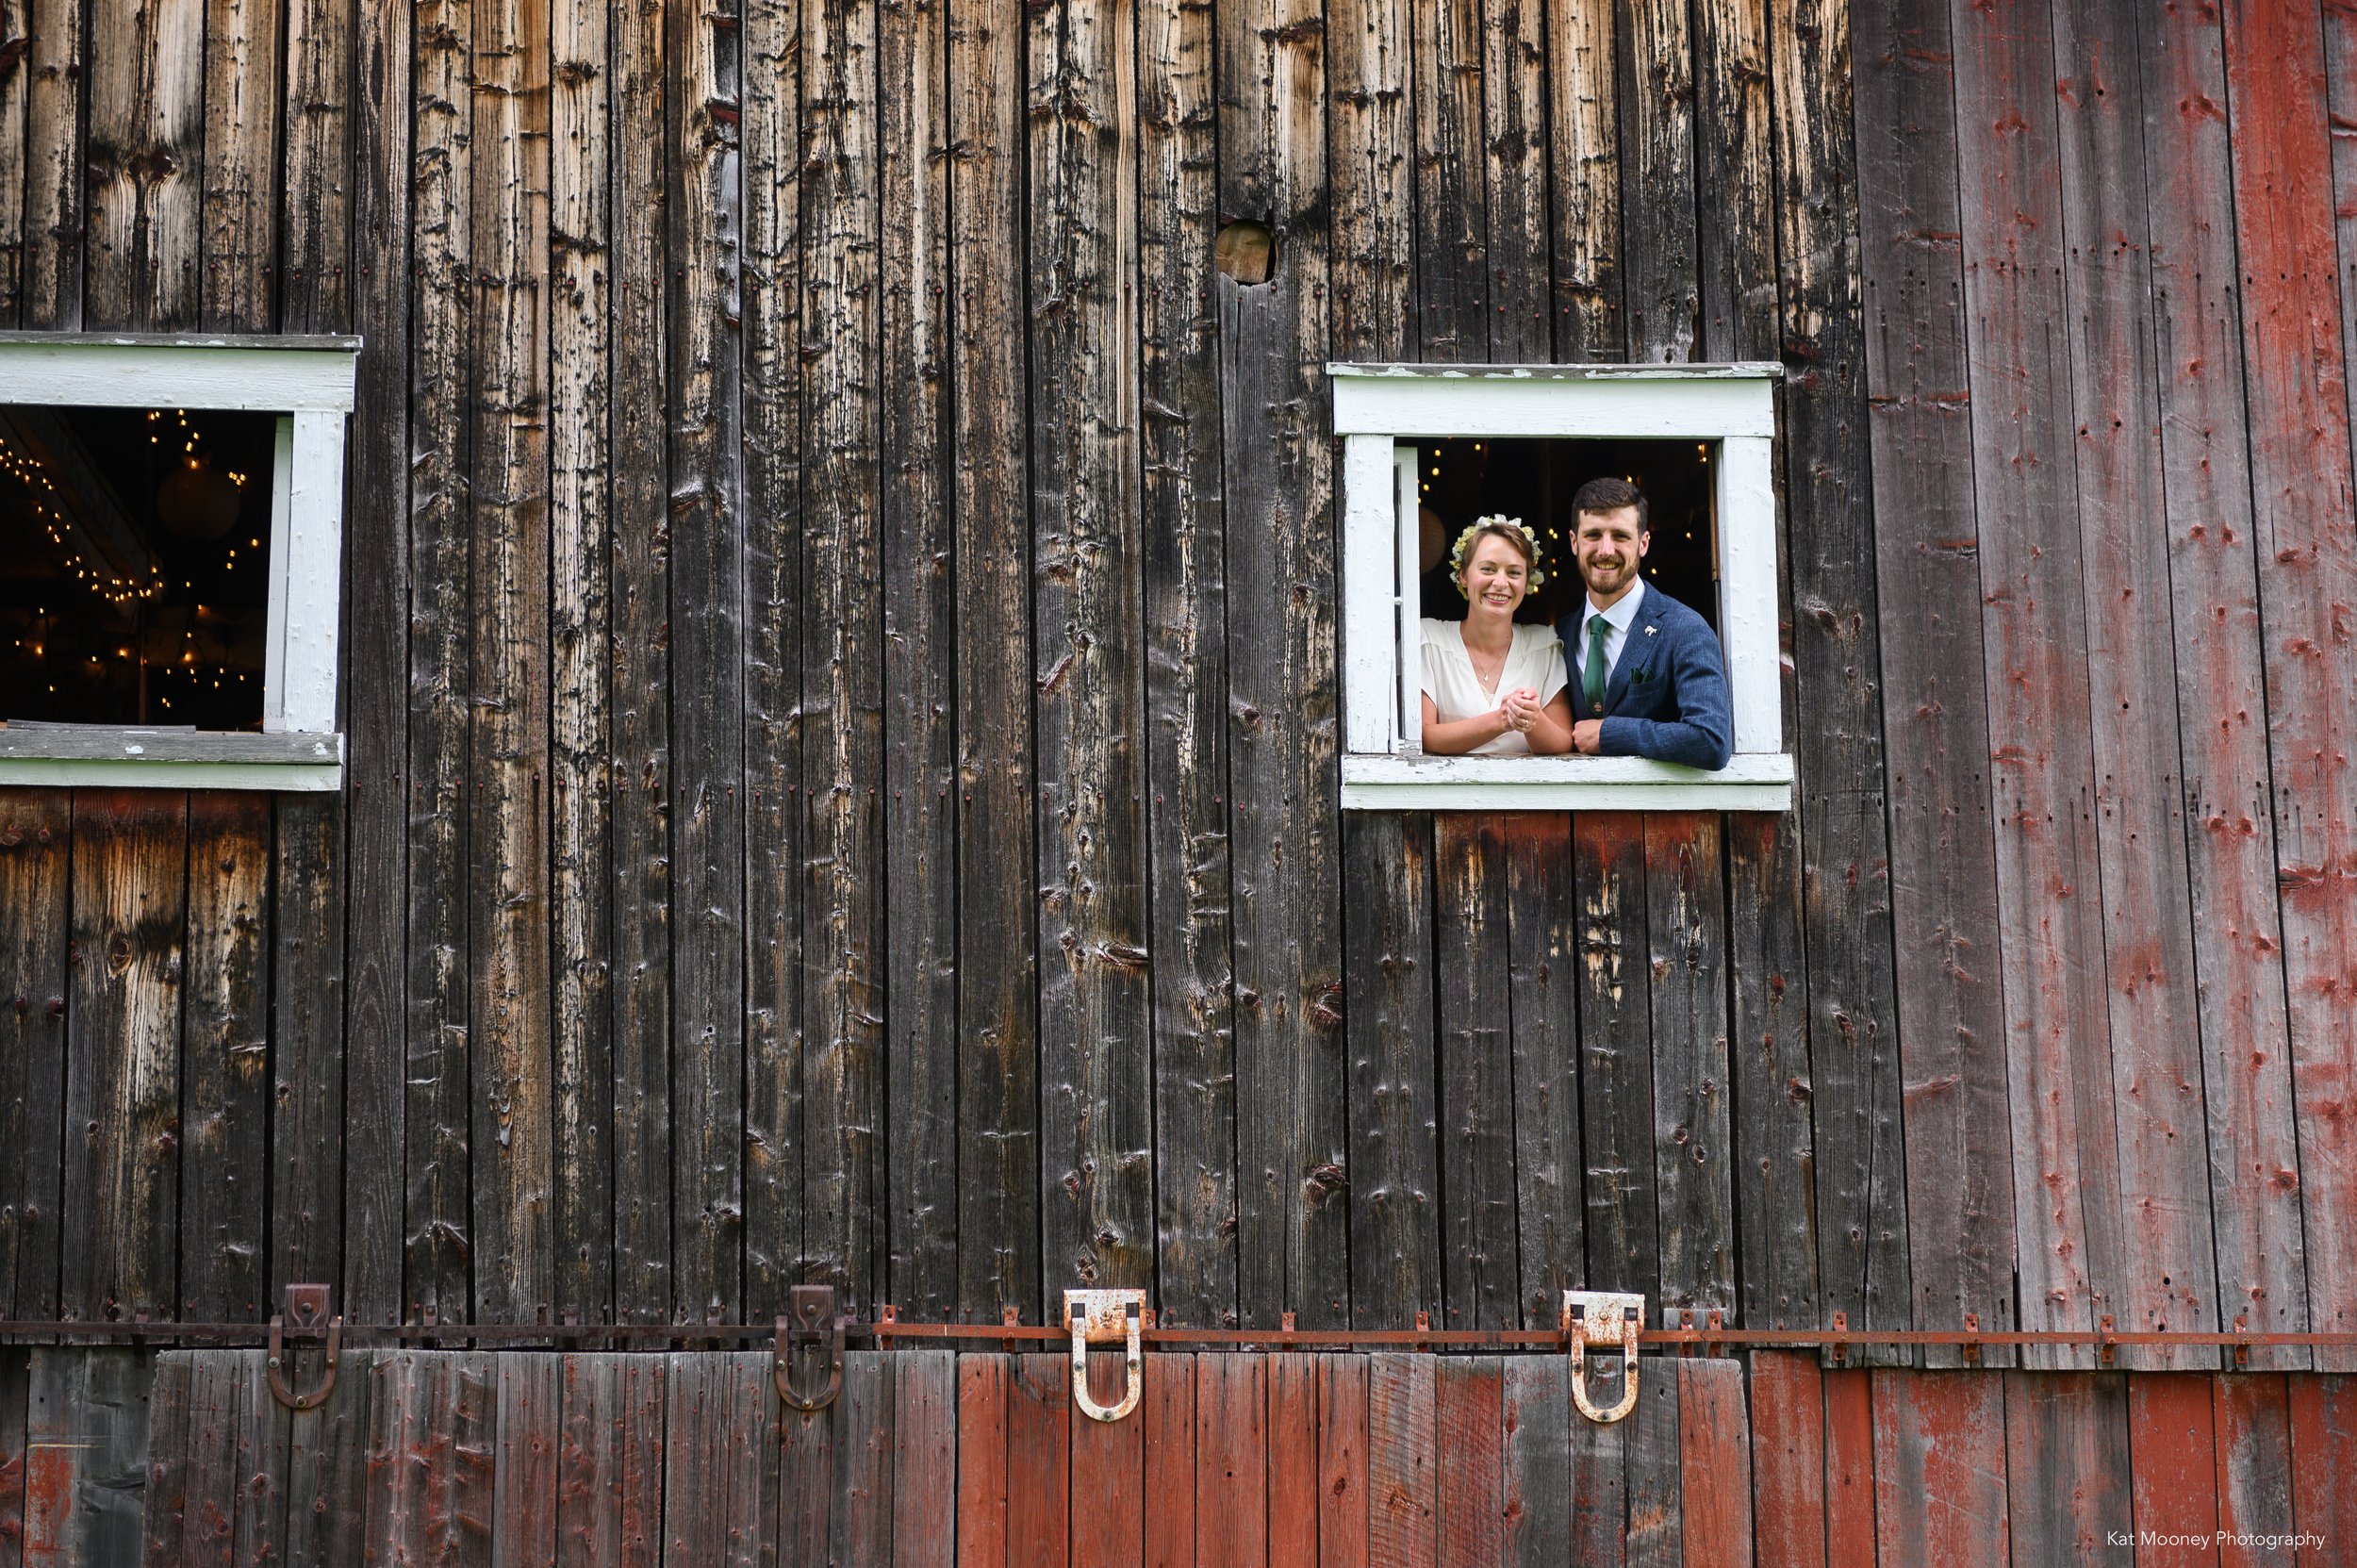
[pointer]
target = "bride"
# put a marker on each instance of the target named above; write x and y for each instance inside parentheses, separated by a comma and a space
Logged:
(1491, 688)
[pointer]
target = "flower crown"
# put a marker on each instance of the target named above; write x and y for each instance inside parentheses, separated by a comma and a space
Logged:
(1473, 532)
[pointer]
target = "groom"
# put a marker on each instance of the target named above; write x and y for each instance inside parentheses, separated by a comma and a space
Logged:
(1647, 679)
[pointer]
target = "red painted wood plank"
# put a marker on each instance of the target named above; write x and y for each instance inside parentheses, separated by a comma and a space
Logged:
(207, 1523)
(2172, 1469)
(981, 1493)
(1472, 1407)
(721, 1450)
(1167, 1411)
(15, 1390)
(1538, 1459)
(1657, 1524)
(2324, 1460)
(1849, 1467)
(1789, 1459)
(1342, 1482)
(1039, 1438)
(588, 1455)
(1715, 1449)
(1109, 1474)
(1292, 1461)
(2303, 493)
(2067, 1466)
(1939, 1469)
(1231, 1399)
(925, 1460)
(1403, 1424)
(525, 1502)
(807, 1491)
(646, 1393)
(2254, 1470)
(259, 1501)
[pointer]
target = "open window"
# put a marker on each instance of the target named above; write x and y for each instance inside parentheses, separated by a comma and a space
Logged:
(170, 549)
(1519, 439)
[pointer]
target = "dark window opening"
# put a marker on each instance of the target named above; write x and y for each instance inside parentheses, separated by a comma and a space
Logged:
(1534, 480)
(135, 565)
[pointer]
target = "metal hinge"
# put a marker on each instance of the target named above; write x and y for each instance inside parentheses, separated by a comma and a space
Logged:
(307, 1309)
(1605, 1319)
(811, 1318)
(1106, 1317)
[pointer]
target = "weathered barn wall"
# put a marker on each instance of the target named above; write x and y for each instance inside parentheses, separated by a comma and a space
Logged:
(841, 678)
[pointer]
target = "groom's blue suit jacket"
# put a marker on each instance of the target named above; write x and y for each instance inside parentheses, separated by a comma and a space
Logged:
(1667, 696)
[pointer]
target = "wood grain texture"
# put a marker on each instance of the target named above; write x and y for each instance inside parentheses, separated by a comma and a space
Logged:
(720, 1450)
(2222, 704)
(1038, 1474)
(54, 276)
(1771, 1087)
(312, 186)
(982, 1500)
(145, 154)
(1293, 1462)
(1715, 1443)
(1693, 1136)
(1369, 148)
(1233, 1434)
(1850, 1483)
(225, 1028)
(14, 89)
(1598, 1484)
(807, 1500)
(1788, 1455)
(1616, 1078)
(2172, 1467)
(2296, 393)
(1166, 1408)
(1515, 188)
(86, 1448)
(328, 1480)
(866, 1494)
(122, 1054)
(1960, 1235)
(2066, 1464)
(1278, 509)
(1469, 1454)
(15, 1395)
(2324, 1445)
(1939, 1467)
(36, 848)
(1108, 1468)
(2253, 1481)
(1184, 522)
(1450, 213)
(525, 1482)
(1403, 1477)
(999, 1181)
(1583, 133)
(924, 1459)
(1395, 1264)
(1479, 1258)
(1539, 1499)
(1660, 281)
(245, 72)
(1655, 1444)
(1542, 986)
(304, 1072)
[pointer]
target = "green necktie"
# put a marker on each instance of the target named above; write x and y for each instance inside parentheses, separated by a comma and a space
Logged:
(1598, 629)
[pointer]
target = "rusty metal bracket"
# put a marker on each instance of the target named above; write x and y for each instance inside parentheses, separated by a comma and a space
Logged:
(1106, 1317)
(1604, 1319)
(307, 1306)
(2107, 1350)
(811, 1319)
(1972, 1347)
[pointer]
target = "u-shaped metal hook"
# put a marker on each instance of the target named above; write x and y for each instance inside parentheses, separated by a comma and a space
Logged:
(1603, 1318)
(812, 1318)
(1102, 1317)
(307, 1306)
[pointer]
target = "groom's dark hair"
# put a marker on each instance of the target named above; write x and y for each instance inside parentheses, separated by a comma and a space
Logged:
(1609, 495)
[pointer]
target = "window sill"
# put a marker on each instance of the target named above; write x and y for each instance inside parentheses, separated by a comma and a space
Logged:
(104, 757)
(1752, 782)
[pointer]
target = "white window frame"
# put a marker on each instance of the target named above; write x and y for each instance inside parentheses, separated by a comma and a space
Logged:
(1381, 410)
(308, 381)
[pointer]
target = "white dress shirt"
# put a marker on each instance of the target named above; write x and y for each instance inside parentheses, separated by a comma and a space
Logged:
(1620, 618)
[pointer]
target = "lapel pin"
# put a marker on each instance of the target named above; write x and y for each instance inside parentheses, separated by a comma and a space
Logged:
(1651, 630)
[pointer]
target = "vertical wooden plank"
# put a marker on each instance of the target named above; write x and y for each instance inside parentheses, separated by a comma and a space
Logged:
(998, 1152)
(393, 1502)
(122, 1053)
(2301, 487)
(145, 157)
(863, 1481)
(1172, 1456)
(1478, 1257)
(1107, 1470)
(438, 1225)
(238, 241)
(1656, 1503)
(1469, 1458)
(1789, 1504)
(1939, 1467)
(1542, 995)
(1687, 921)
(642, 772)
(1343, 1494)
(1616, 1079)
(1538, 1499)
(590, 1439)
(1449, 212)
(164, 1508)
(1516, 190)
(1232, 1458)
(925, 1458)
(806, 1486)
(706, 626)
(1736, 225)
(776, 821)
(982, 1500)
(1186, 566)
(225, 1058)
(14, 89)
(308, 1136)
(2324, 1452)
(209, 1476)
(2172, 1469)
(2067, 1462)
(1771, 1087)
(718, 1442)
(524, 1477)
(2169, 1260)
(1278, 459)
(314, 196)
(581, 662)
(1835, 722)
(1849, 1486)
(1370, 141)
(1656, 117)
(2066, 1175)
(843, 659)
(919, 632)
(85, 1456)
(2221, 702)
(57, 50)
(1715, 1450)
(1395, 1264)
(15, 1395)
(2254, 1468)
(1096, 1157)
(1403, 1475)
(1960, 1235)
(376, 695)
(328, 1478)
(1038, 1473)
(35, 846)
(1599, 1489)
(1583, 101)
(259, 1452)
(1293, 1462)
